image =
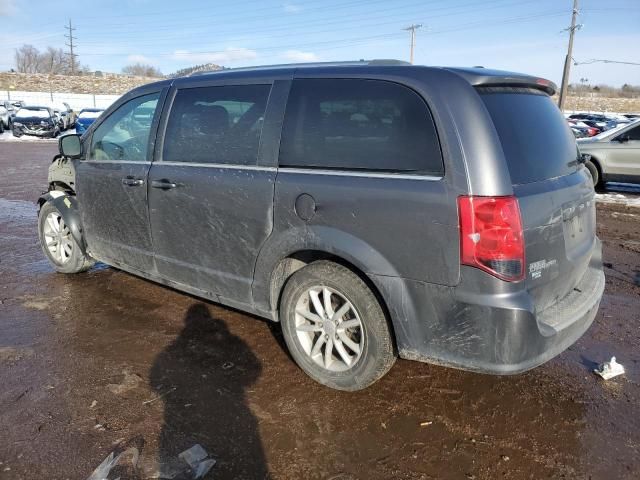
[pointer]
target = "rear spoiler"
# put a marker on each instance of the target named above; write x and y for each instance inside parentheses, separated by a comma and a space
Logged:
(481, 77)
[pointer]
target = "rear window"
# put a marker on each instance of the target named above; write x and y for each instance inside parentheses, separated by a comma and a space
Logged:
(361, 125)
(536, 140)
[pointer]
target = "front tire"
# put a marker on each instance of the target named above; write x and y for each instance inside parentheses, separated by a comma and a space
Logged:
(58, 244)
(335, 328)
(595, 175)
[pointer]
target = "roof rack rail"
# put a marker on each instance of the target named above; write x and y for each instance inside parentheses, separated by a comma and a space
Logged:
(381, 61)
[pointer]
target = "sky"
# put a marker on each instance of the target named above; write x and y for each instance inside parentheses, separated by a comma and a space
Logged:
(519, 35)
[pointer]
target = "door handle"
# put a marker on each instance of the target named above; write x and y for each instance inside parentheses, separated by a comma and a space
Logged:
(164, 184)
(132, 182)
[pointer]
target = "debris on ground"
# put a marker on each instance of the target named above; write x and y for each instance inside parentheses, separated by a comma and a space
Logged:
(93, 404)
(147, 402)
(227, 365)
(102, 472)
(425, 424)
(197, 459)
(609, 369)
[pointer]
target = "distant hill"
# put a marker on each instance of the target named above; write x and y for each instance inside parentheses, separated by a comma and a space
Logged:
(206, 67)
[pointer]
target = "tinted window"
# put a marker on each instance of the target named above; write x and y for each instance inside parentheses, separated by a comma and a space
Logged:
(536, 140)
(359, 125)
(216, 125)
(124, 135)
(634, 133)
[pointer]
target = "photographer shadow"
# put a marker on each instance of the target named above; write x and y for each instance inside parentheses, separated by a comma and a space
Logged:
(202, 377)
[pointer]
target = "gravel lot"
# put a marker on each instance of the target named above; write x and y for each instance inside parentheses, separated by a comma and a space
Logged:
(104, 360)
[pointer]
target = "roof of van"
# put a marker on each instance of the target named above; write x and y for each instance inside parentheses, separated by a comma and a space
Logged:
(476, 76)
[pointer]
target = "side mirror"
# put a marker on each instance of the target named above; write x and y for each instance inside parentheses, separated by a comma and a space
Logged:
(70, 146)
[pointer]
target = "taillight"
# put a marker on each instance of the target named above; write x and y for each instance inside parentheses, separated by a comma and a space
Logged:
(491, 236)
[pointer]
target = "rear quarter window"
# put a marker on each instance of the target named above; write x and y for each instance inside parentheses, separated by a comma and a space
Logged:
(361, 125)
(536, 140)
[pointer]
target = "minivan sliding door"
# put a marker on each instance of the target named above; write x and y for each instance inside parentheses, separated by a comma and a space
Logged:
(210, 199)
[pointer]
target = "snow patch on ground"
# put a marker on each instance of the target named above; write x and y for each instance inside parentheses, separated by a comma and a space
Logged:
(619, 198)
(7, 136)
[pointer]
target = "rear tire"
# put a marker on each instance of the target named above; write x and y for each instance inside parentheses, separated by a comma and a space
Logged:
(327, 305)
(58, 244)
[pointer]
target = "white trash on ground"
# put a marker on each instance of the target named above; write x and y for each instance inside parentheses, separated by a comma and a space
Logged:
(196, 458)
(609, 369)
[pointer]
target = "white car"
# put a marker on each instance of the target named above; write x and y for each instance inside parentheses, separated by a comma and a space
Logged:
(4, 118)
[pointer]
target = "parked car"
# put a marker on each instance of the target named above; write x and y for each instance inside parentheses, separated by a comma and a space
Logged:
(4, 119)
(372, 208)
(39, 121)
(594, 120)
(614, 156)
(61, 120)
(585, 129)
(11, 109)
(86, 117)
(66, 113)
(578, 132)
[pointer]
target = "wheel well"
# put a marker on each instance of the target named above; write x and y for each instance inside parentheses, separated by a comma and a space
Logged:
(294, 262)
(61, 187)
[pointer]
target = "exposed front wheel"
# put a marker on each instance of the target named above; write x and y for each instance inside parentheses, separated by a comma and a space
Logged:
(595, 174)
(335, 328)
(58, 243)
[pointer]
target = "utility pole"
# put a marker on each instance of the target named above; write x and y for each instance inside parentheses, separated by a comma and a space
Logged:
(72, 56)
(412, 29)
(567, 61)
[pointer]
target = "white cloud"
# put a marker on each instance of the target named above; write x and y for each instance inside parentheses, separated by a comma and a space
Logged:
(299, 56)
(291, 8)
(225, 57)
(140, 59)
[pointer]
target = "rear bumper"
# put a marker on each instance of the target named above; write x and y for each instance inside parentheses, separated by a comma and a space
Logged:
(484, 329)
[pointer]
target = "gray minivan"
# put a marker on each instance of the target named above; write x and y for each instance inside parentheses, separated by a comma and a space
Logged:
(375, 209)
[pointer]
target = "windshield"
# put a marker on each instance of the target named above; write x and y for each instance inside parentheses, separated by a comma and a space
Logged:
(28, 113)
(89, 114)
(535, 137)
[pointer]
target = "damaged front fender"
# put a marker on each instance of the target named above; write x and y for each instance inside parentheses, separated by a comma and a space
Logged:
(67, 205)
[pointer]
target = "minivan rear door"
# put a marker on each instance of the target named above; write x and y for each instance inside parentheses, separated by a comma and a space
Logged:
(554, 190)
(211, 184)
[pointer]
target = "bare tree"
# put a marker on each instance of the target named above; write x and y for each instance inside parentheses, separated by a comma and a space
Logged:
(27, 59)
(142, 70)
(54, 61)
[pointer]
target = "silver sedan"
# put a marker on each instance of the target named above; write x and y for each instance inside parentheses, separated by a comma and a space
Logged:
(614, 155)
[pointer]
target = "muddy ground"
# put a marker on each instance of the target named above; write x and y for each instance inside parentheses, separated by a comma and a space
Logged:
(105, 360)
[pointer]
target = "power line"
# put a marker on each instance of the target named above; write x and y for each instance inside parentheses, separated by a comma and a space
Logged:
(597, 60)
(72, 56)
(567, 61)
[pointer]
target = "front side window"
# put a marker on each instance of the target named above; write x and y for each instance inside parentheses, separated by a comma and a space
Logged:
(633, 134)
(219, 124)
(360, 125)
(124, 135)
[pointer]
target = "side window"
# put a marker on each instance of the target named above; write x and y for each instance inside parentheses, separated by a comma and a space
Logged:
(634, 133)
(124, 135)
(365, 125)
(216, 124)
